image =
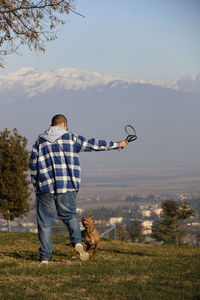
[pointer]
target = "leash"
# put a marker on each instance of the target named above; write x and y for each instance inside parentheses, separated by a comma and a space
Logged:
(91, 242)
(88, 233)
(131, 133)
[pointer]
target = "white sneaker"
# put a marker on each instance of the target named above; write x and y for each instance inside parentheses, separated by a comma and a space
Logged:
(83, 254)
(45, 262)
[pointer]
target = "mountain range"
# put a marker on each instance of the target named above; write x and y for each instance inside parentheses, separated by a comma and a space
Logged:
(34, 81)
(164, 113)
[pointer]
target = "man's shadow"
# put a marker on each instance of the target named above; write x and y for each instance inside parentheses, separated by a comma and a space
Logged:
(29, 255)
(24, 254)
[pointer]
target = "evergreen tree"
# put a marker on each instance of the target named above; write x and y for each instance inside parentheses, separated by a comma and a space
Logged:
(167, 227)
(135, 231)
(14, 183)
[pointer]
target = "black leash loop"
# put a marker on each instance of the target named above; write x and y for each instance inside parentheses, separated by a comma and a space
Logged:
(131, 133)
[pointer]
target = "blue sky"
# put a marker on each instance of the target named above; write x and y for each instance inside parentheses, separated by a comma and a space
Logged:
(149, 39)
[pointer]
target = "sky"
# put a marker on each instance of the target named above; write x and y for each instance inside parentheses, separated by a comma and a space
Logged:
(143, 39)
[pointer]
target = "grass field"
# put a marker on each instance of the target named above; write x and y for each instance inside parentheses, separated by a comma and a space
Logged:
(120, 271)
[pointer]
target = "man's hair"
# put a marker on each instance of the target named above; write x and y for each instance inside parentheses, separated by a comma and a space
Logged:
(58, 119)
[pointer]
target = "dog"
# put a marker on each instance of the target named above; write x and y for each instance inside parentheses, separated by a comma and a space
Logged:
(90, 235)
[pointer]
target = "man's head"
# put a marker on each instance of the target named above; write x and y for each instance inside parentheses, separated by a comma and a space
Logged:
(59, 120)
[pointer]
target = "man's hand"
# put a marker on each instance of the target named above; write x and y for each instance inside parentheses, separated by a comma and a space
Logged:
(122, 144)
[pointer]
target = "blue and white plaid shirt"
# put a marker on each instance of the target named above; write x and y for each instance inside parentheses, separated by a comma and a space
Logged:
(54, 162)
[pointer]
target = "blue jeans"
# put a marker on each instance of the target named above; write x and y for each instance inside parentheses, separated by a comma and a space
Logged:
(48, 206)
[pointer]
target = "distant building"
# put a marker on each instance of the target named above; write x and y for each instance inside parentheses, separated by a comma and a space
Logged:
(195, 224)
(144, 206)
(146, 227)
(158, 211)
(100, 222)
(115, 220)
(146, 213)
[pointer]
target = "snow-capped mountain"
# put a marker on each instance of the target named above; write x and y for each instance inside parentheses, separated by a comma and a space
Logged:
(29, 81)
(34, 81)
(190, 83)
(165, 116)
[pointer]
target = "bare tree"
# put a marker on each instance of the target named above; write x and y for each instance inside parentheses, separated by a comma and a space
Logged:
(31, 23)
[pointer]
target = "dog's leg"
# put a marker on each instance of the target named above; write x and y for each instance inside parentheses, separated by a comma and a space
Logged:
(88, 247)
(75, 256)
(95, 250)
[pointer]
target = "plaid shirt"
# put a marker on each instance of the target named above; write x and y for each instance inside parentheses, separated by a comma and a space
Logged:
(54, 166)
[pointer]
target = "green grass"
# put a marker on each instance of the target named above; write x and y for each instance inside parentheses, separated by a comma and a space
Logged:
(120, 271)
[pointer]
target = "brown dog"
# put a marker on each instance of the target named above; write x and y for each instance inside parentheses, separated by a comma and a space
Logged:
(90, 234)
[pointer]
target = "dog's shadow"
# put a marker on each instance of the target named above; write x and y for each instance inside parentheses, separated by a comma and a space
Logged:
(136, 253)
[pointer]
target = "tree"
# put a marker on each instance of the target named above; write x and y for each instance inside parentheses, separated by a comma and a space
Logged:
(135, 231)
(14, 183)
(30, 22)
(168, 227)
(121, 233)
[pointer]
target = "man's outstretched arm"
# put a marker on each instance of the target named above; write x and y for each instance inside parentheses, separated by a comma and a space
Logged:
(83, 144)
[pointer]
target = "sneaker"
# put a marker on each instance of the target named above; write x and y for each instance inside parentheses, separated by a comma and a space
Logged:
(83, 254)
(45, 262)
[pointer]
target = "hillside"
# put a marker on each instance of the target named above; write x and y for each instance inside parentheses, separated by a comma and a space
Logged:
(120, 271)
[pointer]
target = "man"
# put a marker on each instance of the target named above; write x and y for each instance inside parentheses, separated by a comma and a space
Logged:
(55, 173)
